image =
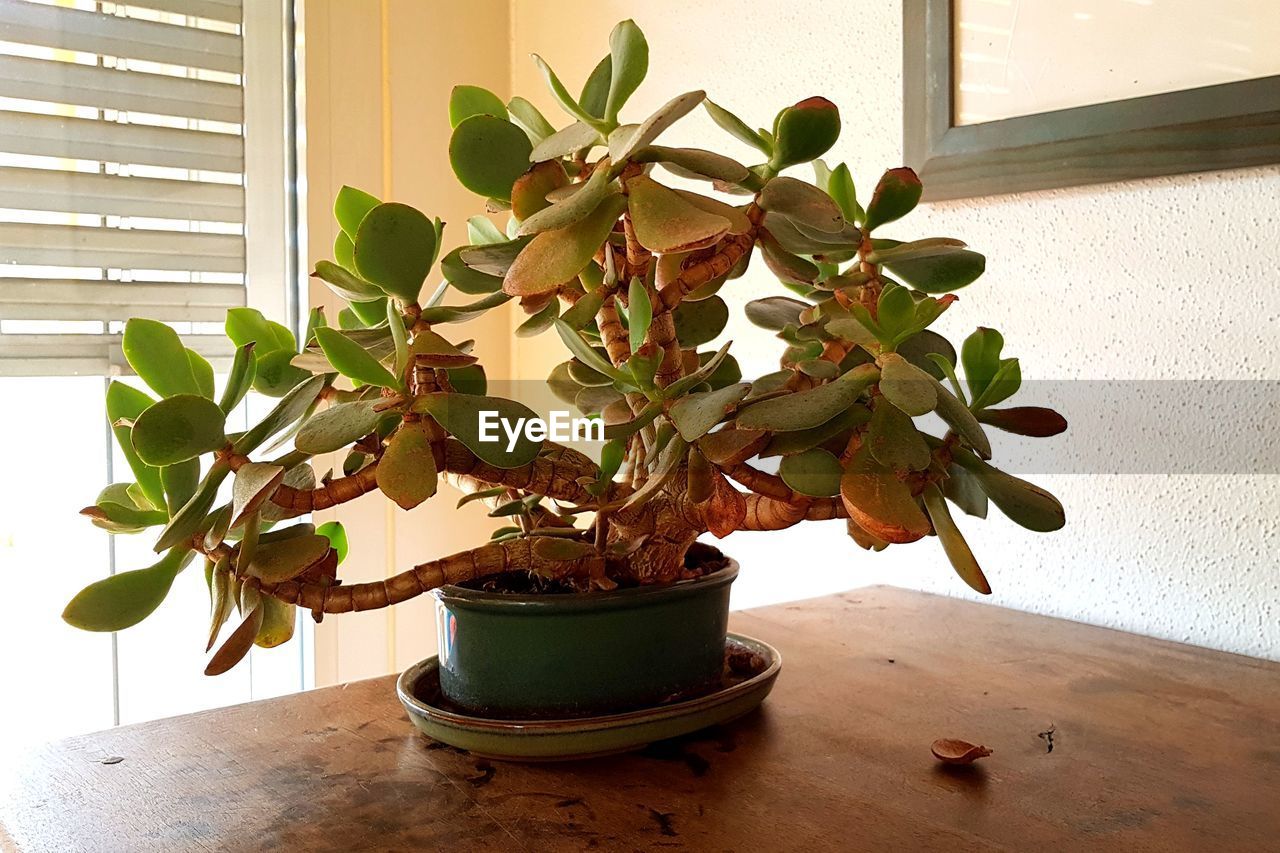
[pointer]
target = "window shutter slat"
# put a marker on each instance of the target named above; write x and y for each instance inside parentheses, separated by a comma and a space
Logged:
(118, 248)
(113, 142)
(111, 35)
(49, 299)
(227, 11)
(126, 91)
(112, 195)
(92, 355)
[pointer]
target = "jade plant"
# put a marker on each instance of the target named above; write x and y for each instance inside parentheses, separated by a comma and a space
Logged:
(593, 233)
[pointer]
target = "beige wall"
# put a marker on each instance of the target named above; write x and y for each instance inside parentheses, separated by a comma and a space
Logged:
(377, 81)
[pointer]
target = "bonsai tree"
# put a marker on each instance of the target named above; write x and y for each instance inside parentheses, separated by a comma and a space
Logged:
(599, 248)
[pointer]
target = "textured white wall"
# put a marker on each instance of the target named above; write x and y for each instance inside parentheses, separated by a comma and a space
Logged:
(1173, 278)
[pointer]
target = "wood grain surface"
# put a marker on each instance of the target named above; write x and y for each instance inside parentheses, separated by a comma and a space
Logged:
(1156, 746)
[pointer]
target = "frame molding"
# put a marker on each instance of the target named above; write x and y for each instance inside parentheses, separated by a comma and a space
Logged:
(1225, 126)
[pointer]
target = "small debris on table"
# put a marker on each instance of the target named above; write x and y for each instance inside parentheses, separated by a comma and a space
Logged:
(1047, 737)
(111, 759)
(952, 751)
(486, 774)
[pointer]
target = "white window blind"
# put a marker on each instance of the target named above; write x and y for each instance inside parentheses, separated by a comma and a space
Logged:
(129, 134)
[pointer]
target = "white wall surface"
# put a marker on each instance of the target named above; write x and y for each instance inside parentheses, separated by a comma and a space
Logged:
(1172, 278)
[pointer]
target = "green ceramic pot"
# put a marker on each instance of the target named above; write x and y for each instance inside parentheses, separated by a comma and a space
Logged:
(529, 656)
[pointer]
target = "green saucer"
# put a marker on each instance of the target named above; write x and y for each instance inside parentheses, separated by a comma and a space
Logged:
(587, 737)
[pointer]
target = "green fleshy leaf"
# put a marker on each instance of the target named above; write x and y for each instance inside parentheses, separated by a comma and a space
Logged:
(963, 490)
(115, 517)
(283, 560)
(953, 543)
(639, 313)
(700, 322)
(939, 273)
(788, 267)
(804, 132)
(595, 92)
(736, 127)
(275, 375)
(896, 195)
(468, 101)
(345, 283)
(584, 310)
(555, 257)
(121, 601)
(814, 472)
(958, 416)
(775, 313)
(561, 94)
(488, 154)
(464, 278)
(541, 321)
(180, 484)
(840, 188)
(337, 426)
(395, 248)
(459, 414)
(247, 325)
(528, 117)
(244, 368)
(351, 360)
(156, 354)
(626, 144)
(1003, 385)
(694, 163)
(337, 536)
(202, 370)
(573, 209)
(565, 142)
(585, 353)
(906, 386)
(350, 208)
(255, 482)
(291, 407)
(125, 403)
(667, 222)
(980, 356)
(278, 621)
(695, 414)
(880, 503)
(630, 63)
(463, 313)
(407, 470)
(529, 192)
(809, 408)
(802, 203)
(798, 441)
(1026, 504)
(177, 429)
(918, 348)
(894, 441)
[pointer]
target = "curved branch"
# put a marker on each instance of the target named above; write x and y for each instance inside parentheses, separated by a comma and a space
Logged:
(493, 558)
(766, 513)
(701, 267)
(331, 494)
(765, 484)
(555, 473)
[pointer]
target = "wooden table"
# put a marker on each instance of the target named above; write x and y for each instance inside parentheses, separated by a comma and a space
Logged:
(1156, 746)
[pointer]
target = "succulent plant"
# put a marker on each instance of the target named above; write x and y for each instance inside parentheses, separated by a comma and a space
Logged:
(626, 270)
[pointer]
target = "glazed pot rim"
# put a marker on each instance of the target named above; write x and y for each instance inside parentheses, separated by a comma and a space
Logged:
(464, 598)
